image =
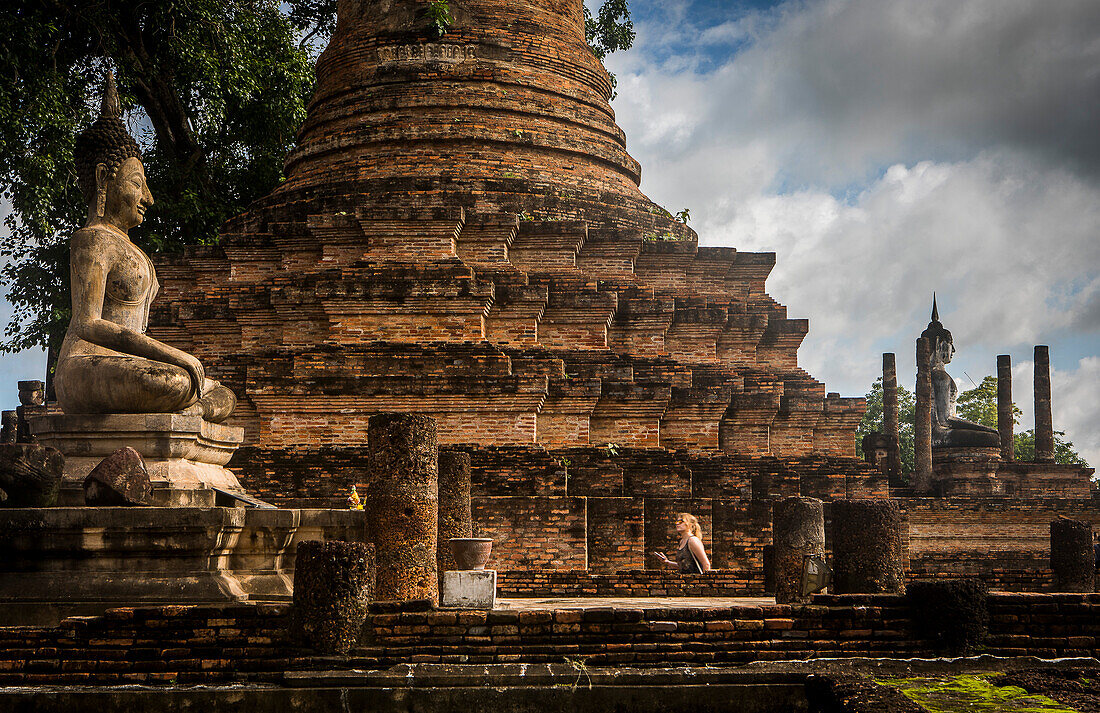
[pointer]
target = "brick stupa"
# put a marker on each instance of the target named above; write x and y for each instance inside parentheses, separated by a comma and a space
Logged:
(461, 234)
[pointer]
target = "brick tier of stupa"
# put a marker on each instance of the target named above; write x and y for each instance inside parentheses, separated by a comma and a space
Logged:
(461, 234)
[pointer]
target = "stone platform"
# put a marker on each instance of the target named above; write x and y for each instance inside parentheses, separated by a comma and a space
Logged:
(185, 455)
(83, 560)
(251, 644)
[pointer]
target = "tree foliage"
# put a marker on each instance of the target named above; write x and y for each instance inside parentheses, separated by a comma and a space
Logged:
(609, 30)
(980, 405)
(219, 91)
(873, 421)
(215, 92)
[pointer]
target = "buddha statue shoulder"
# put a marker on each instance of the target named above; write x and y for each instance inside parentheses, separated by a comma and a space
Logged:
(107, 364)
(948, 430)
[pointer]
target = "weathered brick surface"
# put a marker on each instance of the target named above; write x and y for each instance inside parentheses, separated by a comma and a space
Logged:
(189, 645)
(1004, 541)
(461, 235)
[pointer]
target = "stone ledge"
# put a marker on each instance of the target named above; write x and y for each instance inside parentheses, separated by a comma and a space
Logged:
(88, 559)
(182, 453)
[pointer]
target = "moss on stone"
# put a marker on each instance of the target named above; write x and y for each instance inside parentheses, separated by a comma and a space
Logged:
(972, 694)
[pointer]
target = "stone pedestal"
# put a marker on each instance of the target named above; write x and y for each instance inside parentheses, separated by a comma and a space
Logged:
(867, 547)
(469, 589)
(798, 529)
(83, 560)
(185, 455)
(968, 470)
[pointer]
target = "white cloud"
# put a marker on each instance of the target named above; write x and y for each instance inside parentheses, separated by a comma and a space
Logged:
(885, 149)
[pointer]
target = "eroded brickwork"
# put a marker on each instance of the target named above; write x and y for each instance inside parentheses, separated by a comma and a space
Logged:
(204, 645)
(461, 235)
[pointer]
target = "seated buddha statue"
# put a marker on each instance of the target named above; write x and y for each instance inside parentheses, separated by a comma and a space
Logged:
(948, 430)
(107, 364)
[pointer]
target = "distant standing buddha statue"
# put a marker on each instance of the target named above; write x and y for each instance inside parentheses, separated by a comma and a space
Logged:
(948, 430)
(107, 364)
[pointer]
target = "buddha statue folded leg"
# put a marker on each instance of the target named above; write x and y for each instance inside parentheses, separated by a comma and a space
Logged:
(127, 384)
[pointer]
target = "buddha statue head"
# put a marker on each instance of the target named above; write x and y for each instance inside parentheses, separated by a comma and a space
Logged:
(941, 344)
(109, 169)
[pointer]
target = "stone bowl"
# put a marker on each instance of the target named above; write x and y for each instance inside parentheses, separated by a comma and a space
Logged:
(471, 552)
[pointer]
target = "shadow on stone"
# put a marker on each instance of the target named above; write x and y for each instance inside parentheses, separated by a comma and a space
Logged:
(30, 475)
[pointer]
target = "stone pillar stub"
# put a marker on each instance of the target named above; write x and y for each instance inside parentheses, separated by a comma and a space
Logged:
(922, 426)
(798, 529)
(454, 505)
(867, 547)
(402, 505)
(1005, 421)
(1044, 422)
(333, 585)
(1071, 555)
(890, 417)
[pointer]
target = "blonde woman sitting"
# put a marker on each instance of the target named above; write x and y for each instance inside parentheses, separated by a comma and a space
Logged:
(691, 557)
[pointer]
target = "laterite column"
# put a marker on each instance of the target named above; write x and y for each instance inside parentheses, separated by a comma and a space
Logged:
(1071, 555)
(1044, 422)
(1005, 420)
(454, 505)
(798, 529)
(867, 547)
(890, 417)
(922, 427)
(402, 505)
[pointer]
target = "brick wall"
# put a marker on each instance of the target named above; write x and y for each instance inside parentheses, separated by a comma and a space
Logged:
(189, 645)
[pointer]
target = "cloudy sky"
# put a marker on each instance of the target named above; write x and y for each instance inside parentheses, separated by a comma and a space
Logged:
(884, 149)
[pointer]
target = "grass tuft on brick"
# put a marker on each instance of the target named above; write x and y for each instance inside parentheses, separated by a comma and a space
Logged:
(333, 585)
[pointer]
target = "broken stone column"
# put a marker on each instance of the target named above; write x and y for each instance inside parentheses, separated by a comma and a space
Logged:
(32, 402)
(402, 505)
(890, 418)
(1005, 421)
(455, 519)
(1044, 422)
(333, 585)
(798, 529)
(922, 426)
(120, 479)
(9, 427)
(867, 547)
(30, 475)
(1071, 555)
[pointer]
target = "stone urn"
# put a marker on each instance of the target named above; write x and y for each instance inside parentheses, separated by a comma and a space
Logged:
(471, 552)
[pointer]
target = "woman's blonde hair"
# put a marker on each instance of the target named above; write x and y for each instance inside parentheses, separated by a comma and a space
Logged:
(692, 523)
